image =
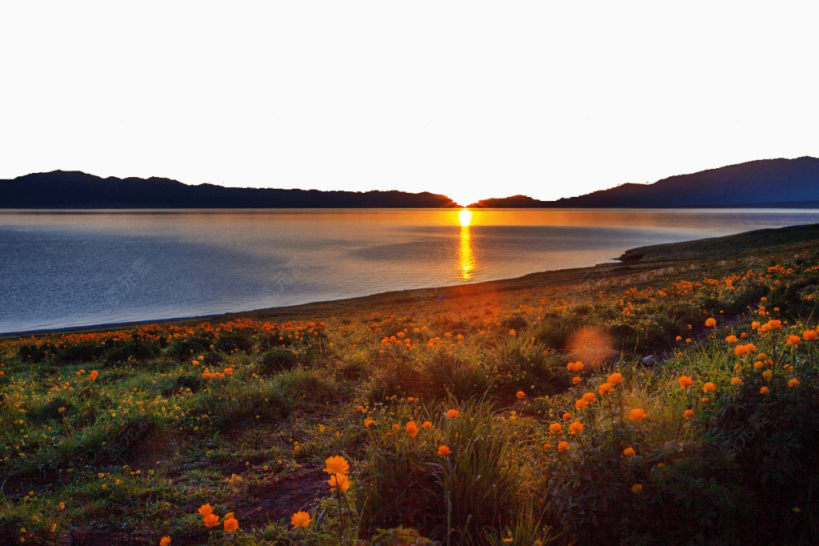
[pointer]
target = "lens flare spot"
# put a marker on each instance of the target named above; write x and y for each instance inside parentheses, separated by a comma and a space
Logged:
(591, 345)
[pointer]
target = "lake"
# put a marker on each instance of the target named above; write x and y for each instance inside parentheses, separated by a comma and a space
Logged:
(74, 268)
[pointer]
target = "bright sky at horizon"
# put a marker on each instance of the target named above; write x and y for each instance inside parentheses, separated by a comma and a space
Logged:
(470, 99)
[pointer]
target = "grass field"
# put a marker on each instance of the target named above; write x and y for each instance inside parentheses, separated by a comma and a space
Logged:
(668, 399)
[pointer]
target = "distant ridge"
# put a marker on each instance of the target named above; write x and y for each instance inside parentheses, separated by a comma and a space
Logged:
(78, 190)
(763, 183)
(787, 183)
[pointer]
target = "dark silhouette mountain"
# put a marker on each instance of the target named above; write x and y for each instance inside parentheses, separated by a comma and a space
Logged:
(763, 183)
(78, 190)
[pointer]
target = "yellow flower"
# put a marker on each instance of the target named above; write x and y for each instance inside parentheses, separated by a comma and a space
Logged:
(576, 428)
(629, 452)
(336, 465)
(300, 519)
(339, 481)
(443, 451)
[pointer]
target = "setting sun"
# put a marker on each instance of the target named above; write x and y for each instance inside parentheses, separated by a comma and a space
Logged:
(465, 217)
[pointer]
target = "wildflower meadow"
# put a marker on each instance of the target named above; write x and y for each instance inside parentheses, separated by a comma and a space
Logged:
(669, 400)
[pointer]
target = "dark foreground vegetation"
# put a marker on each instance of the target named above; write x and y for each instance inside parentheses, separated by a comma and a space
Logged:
(672, 399)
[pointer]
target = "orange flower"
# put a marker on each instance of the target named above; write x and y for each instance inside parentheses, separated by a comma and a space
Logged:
(368, 423)
(736, 381)
(567, 416)
(709, 387)
(731, 339)
(412, 429)
(93, 375)
(520, 395)
(575, 366)
(581, 404)
(576, 428)
(710, 322)
(576, 380)
(452, 413)
(339, 481)
(205, 509)
(426, 425)
(764, 390)
(793, 382)
(637, 488)
(443, 451)
(605, 388)
(231, 524)
(556, 428)
(688, 414)
(615, 379)
(210, 520)
(748, 348)
(336, 465)
(165, 541)
(563, 446)
(300, 519)
(589, 397)
(629, 452)
(792, 340)
(637, 414)
(771, 325)
(685, 381)
(809, 335)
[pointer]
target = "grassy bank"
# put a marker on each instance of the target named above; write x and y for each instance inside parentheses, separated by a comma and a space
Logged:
(671, 398)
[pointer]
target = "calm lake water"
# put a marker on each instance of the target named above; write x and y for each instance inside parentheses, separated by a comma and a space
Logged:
(60, 269)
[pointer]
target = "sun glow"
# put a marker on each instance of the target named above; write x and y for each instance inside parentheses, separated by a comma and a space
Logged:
(465, 217)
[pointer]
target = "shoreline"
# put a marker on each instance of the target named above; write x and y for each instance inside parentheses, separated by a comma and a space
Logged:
(635, 260)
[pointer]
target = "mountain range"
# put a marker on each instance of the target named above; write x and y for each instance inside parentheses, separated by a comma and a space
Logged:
(762, 183)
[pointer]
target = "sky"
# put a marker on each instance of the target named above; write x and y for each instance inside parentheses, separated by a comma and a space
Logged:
(471, 99)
